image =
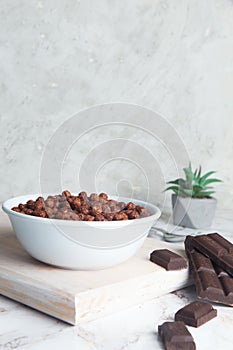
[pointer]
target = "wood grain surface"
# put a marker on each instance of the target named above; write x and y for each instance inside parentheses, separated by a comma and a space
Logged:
(77, 296)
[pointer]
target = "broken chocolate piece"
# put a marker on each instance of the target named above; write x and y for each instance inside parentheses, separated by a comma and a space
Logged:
(176, 336)
(215, 247)
(210, 284)
(168, 259)
(196, 314)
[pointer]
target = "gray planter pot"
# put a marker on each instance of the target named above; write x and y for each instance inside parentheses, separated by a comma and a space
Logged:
(193, 212)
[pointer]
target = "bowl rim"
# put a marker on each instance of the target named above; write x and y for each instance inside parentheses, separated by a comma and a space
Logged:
(7, 205)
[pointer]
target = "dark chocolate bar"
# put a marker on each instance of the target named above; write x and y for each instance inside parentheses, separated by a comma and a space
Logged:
(168, 259)
(176, 336)
(196, 313)
(210, 285)
(215, 247)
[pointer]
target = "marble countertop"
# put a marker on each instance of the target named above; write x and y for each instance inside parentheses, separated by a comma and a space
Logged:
(135, 328)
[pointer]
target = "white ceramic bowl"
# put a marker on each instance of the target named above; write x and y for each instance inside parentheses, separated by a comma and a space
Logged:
(80, 245)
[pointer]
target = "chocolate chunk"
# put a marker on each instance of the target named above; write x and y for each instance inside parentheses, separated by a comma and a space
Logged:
(196, 314)
(176, 336)
(168, 259)
(202, 263)
(219, 271)
(215, 247)
(227, 284)
(210, 284)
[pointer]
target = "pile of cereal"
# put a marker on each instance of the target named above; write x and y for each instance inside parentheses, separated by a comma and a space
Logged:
(82, 208)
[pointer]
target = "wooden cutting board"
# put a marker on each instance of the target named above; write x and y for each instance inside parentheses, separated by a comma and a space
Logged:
(75, 296)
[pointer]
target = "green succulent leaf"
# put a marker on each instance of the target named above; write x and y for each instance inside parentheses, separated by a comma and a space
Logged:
(197, 188)
(186, 192)
(207, 188)
(196, 182)
(176, 182)
(189, 174)
(205, 194)
(204, 177)
(209, 181)
(199, 172)
(173, 188)
(187, 185)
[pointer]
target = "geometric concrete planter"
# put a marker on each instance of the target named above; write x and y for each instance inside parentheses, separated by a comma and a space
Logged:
(193, 212)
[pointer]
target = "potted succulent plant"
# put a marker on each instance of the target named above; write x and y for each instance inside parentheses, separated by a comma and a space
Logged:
(192, 201)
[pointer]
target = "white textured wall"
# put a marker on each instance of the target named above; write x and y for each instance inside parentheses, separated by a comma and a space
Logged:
(58, 57)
